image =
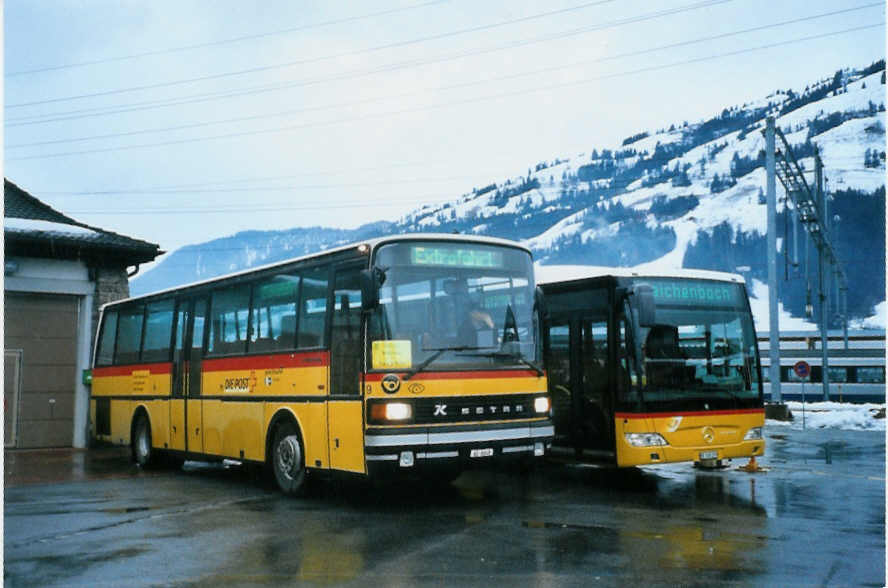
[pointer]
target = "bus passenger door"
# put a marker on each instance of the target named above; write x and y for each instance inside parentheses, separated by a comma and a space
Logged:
(178, 430)
(194, 404)
(578, 383)
(558, 365)
(345, 405)
(595, 405)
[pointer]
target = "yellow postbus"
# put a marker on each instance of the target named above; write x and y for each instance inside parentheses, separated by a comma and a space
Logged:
(415, 353)
(649, 368)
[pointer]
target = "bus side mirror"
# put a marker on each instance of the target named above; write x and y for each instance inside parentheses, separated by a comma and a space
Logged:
(371, 280)
(644, 304)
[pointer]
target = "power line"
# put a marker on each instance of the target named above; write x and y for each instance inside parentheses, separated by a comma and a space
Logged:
(392, 45)
(203, 187)
(162, 191)
(336, 172)
(253, 90)
(184, 187)
(450, 104)
(611, 185)
(194, 248)
(222, 41)
(268, 207)
(447, 87)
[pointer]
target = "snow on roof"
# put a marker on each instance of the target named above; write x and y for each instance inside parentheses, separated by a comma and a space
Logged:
(27, 225)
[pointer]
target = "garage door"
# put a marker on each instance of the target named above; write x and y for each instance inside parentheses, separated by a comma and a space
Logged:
(44, 329)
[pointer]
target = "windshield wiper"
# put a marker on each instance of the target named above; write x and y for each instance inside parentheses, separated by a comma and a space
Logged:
(437, 353)
(516, 356)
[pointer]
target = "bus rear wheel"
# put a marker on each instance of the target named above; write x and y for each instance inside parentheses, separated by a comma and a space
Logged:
(288, 459)
(143, 454)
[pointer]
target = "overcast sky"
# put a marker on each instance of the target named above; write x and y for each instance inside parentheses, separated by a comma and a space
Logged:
(179, 121)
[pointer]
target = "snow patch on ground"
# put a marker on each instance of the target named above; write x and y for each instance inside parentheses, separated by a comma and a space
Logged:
(834, 415)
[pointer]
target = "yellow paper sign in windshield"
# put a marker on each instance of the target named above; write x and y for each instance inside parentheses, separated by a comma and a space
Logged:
(390, 355)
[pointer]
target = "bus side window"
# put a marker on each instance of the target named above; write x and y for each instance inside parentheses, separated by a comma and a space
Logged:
(158, 332)
(105, 352)
(230, 309)
(312, 309)
(129, 335)
(273, 314)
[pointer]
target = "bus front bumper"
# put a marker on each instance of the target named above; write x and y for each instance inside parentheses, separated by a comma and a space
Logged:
(424, 447)
(634, 456)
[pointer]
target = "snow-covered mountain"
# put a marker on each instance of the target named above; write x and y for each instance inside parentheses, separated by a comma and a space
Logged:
(690, 195)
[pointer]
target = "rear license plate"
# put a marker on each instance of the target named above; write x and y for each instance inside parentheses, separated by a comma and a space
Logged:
(486, 452)
(709, 455)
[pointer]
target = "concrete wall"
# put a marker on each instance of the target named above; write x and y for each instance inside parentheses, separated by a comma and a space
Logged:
(111, 284)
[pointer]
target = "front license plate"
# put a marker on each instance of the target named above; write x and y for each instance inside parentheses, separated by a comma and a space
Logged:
(709, 455)
(486, 452)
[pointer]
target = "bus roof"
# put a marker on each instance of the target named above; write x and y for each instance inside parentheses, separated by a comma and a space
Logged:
(550, 274)
(372, 244)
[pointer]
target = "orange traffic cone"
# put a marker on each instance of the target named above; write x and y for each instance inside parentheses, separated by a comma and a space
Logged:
(752, 467)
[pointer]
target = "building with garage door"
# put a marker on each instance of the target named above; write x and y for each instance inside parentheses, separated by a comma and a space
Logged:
(57, 273)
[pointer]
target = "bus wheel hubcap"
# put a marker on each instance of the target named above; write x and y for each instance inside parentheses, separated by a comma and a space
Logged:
(143, 442)
(288, 456)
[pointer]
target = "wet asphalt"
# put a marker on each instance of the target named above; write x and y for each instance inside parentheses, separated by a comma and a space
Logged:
(816, 518)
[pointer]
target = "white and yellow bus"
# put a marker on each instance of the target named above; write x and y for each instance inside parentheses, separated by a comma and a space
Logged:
(649, 368)
(416, 353)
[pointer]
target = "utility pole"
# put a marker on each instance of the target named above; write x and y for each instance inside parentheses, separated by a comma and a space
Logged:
(825, 274)
(844, 294)
(773, 318)
(812, 209)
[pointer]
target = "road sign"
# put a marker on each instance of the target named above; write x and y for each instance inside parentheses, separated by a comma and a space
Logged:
(802, 369)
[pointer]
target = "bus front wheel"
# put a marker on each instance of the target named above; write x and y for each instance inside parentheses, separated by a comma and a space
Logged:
(142, 451)
(288, 460)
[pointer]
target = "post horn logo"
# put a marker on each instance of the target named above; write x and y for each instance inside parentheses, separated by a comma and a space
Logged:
(708, 434)
(391, 383)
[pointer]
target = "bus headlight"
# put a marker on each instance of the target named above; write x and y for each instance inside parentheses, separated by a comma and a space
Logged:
(541, 404)
(391, 411)
(753, 434)
(398, 411)
(645, 439)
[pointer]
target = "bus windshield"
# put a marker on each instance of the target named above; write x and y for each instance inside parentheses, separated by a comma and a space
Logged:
(702, 347)
(453, 306)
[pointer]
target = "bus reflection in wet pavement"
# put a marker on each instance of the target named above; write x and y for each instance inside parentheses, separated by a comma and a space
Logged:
(817, 517)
